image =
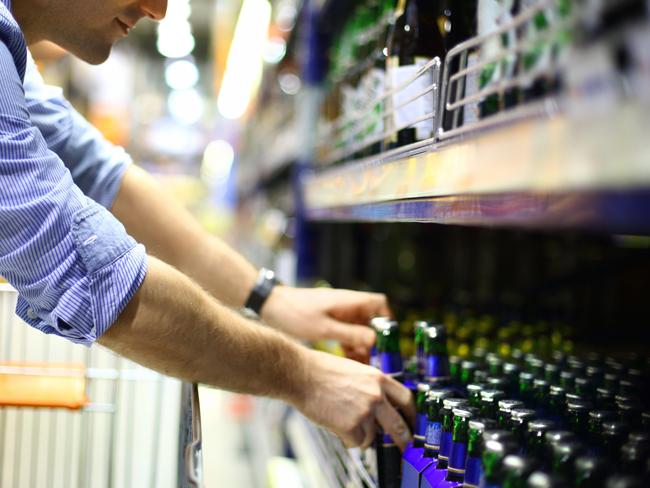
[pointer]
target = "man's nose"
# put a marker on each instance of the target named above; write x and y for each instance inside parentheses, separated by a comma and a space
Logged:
(154, 9)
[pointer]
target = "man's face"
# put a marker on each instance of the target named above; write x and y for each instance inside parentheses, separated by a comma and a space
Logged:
(89, 28)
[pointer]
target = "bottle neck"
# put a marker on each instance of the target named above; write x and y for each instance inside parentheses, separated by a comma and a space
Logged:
(457, 459)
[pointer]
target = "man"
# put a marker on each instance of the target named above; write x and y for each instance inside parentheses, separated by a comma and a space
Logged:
(80, 275)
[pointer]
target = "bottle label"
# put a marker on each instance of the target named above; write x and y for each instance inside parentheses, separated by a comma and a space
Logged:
(473, 472)
(374, 86)
(410, 102)
(433, 436)
(436, 368)
(420, 426)
(445, 445)
(458, 457)
(471, 110)
(390, 362)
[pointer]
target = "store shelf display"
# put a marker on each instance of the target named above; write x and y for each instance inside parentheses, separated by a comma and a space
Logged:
(564, 117)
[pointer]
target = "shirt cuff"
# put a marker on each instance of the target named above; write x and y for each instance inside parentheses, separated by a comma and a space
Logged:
(114, 268)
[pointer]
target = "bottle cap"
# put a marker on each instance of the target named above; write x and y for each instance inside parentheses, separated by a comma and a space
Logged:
(465, 412)
(423, 387)
(579, 406)
(521, 414)
(520, 466)
(541, 425)
(540, 479)
(590, 466)
(639, 438)
(482, 424)
(498, 435)
(381, 323)
(625, 481)
(616, 427)
(451, 403)
(508, 404)
(558, 436)
(492, 396)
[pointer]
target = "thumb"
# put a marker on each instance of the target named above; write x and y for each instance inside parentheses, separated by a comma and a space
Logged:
(351, 335)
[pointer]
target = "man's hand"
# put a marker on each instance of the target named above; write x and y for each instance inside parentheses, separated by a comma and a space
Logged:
(350, 399)
(323, 313)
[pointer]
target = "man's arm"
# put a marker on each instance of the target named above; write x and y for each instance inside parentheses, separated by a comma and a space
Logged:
(173, 235)
(175, 327)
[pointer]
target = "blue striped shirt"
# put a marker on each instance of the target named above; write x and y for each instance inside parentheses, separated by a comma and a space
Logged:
(72, 262)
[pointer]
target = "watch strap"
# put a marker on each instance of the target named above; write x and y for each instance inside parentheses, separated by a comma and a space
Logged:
(260, 293)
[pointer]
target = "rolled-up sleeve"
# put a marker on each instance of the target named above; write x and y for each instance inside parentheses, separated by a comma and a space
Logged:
(97, 166)
(72, 262)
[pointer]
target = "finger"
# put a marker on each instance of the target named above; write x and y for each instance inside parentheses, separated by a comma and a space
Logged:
(401, 397)
(350, 335)
(393, 424)
(360, 307)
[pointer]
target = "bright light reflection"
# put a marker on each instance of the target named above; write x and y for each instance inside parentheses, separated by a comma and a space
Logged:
(186, 106)
(181, 74)
(175, 39)
(275, 50)
(217, 162)
(244, 66)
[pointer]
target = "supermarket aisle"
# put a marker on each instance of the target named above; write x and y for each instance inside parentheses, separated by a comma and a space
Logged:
(225, 464)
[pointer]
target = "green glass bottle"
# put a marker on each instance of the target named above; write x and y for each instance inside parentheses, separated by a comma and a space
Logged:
(474, 394)
(535, 440)
(436, 362)
(490, 402)
(516, 469)
(433, 436)
(421, 419)
(577, 413)
(564, 456)
(447, 412)
(475, 446)
(590, 471)
(519, 419)
(493, 456)
(505, 407)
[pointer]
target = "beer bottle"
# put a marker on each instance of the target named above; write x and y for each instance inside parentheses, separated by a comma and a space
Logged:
(590, 471)
(516, 470)
(577, 414)
(564, 457)
(490, 402)
(505, 407)
(387, 343)
(535, 440)
(436, 357)
(518, 424)
(435, 472)
(475, 445)
(493, 456)
(460, 437)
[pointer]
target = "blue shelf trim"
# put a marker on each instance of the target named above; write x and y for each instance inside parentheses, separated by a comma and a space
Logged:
(618, 212)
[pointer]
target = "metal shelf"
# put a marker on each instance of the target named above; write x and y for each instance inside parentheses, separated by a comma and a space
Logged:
(576, 169)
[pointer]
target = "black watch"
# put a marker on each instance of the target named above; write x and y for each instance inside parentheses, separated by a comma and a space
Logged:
(263, 286)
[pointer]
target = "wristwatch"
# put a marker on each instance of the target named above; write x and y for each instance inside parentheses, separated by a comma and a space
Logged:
(263, 286)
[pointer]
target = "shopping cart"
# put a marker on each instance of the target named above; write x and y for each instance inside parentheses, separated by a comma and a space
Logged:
(72, 416)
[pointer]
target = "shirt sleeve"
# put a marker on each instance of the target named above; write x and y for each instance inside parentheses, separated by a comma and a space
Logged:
(97, 166)
(73, 264)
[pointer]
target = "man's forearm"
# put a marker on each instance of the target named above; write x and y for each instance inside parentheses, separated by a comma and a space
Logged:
(176, 328)
(173, 235)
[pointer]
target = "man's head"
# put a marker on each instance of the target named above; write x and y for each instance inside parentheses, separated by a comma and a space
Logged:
(86, 28)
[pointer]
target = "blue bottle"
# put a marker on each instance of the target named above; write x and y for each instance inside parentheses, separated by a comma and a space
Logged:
(436, 472)
(426, 441)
